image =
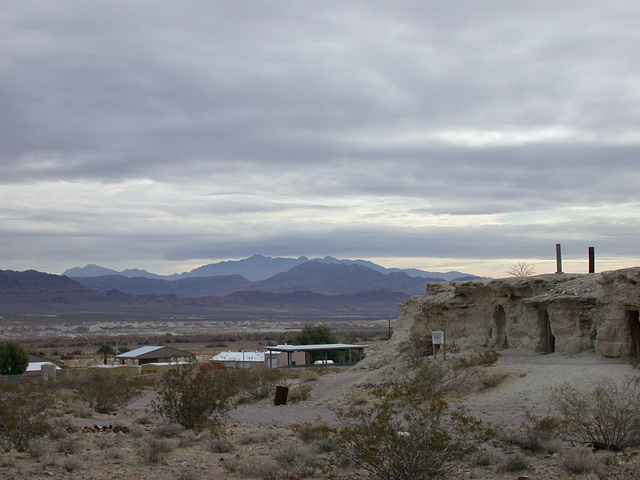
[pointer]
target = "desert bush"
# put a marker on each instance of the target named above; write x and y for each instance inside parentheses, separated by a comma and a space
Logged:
(79, 410)
(105, 442)
(491, 379)
(23, 415)
(188, 476)
(580, 461)
(297, 461)
(606, 418)
(6, 461)
(258, 383)
(300, 393)
(167, 430)
(115, 453)
(620, 467)
(188, 439)
(194, 398)
(144, 419)
(540, 434)
(106, 393)
(220, 445)
(309, 375)
(58, 432)
(71, 464)
(68, 445)
(136, 431)
(516, 463)
(429, 379)
(254, 438)
(154, 450)
(311, 432)
(406, 438)
(292, 462)
(255, 467)
(483, 358)
(38, 447)
(357, 398)
(488, 456)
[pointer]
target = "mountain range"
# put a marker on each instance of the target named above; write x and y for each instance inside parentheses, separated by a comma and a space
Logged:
(254, 268)
(326, 286)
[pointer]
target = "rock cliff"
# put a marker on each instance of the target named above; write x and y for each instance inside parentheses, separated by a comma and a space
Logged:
(565, 313)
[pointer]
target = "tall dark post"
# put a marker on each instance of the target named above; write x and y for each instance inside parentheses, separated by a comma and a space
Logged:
(558, 258)
(592, 259)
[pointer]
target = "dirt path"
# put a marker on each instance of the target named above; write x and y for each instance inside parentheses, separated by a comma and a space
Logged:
(532, 378)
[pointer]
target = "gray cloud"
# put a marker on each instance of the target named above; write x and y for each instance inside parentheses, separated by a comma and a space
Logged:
(154, 132)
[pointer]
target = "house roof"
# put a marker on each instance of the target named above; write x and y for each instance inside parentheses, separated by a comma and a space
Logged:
(239, 357)
(154, 352)
(37, 366)
(311, 348)
(39, 359)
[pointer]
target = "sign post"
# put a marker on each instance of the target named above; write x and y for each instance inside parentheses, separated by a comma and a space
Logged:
(439, 338)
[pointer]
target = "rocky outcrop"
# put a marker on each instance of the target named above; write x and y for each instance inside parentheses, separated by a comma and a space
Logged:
(566, 313)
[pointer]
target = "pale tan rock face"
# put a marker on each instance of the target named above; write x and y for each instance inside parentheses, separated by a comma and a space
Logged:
(566, 313)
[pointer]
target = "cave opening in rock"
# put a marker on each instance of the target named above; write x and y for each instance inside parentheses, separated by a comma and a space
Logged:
(498, 331)
(547, 340)
(634, 330)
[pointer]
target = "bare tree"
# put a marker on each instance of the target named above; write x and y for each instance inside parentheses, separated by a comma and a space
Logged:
(521, 269)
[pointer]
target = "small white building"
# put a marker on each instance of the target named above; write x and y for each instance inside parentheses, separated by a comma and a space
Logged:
(241, 359)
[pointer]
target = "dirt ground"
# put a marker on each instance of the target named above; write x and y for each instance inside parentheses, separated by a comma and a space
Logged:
(262, 441)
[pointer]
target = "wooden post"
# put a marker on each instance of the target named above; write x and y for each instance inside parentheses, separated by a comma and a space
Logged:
(592, 260)
(444, 345)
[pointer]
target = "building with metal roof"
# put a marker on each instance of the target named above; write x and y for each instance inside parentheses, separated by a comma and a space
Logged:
(321, 352)
(154, 354)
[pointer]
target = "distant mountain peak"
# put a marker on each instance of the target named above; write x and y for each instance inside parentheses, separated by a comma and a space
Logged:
(258, 267)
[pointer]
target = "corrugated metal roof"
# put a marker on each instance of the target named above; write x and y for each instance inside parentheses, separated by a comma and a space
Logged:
(139, 351)
(309, 348)
(153, 352)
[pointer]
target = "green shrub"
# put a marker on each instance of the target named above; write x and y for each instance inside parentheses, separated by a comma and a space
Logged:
(154, 450)
(404, 438)
(259, 383)
(194, 398)
(13, 359)
(107, 393)
(23, 415)
(606, 418)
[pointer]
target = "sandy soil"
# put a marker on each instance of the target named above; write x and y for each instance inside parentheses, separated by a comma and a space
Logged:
(532, 379)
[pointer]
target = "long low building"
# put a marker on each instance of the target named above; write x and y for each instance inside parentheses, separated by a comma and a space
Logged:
(345, 353)
(154, 354)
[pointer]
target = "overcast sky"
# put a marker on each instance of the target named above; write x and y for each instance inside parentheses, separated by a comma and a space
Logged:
(443, 135)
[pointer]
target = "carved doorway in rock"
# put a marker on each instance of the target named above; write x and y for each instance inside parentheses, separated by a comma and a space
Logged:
(634, 329)
(498, 332)
(547, 340)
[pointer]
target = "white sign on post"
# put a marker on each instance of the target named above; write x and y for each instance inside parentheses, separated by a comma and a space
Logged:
(437, 337)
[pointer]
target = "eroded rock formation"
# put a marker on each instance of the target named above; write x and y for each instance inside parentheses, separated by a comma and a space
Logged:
(566, 313)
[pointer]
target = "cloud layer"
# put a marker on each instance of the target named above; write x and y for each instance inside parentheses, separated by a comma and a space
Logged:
(438, 134)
